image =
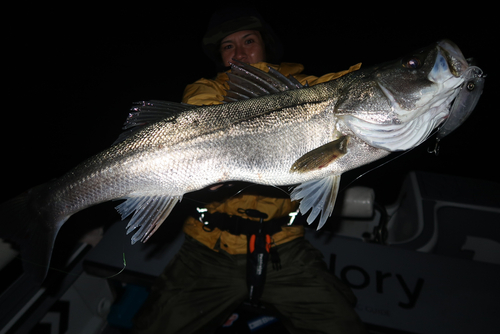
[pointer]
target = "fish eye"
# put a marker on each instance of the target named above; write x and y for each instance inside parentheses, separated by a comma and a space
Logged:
(470, 86)
(412, 63)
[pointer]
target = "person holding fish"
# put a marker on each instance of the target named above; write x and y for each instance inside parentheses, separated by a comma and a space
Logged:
(246, 245)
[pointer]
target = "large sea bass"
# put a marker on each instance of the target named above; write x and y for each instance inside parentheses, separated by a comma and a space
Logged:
(286, 135)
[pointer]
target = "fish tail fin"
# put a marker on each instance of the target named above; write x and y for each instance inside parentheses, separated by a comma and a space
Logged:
(30, 232)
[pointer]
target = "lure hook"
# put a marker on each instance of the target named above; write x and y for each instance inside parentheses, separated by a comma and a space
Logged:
(434, 151)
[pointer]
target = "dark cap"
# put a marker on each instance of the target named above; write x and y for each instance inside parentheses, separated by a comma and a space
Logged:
(229, 20)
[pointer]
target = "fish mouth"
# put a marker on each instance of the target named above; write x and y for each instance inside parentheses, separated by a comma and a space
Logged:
(416, 115)
(457, 64)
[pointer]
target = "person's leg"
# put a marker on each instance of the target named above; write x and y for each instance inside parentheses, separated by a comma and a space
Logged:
(309, 298)
(195, 293)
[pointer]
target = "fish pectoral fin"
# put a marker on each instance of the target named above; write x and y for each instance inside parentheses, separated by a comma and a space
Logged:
(149, 212)
(321, 156)
(318, 195)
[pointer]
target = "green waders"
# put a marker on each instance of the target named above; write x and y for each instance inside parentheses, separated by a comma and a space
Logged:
(201, 288)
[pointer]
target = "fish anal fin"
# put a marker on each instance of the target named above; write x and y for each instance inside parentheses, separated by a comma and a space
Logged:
(149, 212)
(321, 156)
(318, 195)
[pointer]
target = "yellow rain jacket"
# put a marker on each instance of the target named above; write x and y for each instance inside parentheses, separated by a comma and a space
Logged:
(209, 92)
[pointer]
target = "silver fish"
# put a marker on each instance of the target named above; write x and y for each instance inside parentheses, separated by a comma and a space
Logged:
(276, 133)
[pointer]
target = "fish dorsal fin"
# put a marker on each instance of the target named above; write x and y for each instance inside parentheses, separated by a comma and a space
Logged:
(246, 81)
(146, 112)
(318, 195)
(149, 212)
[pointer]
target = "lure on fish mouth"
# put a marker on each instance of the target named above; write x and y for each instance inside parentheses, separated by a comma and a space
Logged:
(276, 132)
(464, 103)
